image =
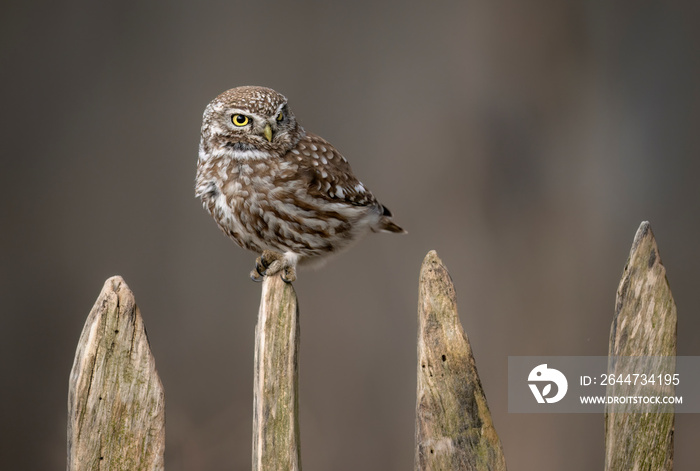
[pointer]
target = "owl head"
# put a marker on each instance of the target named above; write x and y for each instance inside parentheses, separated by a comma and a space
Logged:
(248, 123)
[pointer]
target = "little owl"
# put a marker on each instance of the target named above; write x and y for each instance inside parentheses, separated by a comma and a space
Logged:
(277, 190)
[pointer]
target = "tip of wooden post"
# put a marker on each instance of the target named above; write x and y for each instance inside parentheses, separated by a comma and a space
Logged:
(432, 259)
(115, 281)
(277, 284)
(116, 288)
(431, 256)
(642, 232)
(433, 268)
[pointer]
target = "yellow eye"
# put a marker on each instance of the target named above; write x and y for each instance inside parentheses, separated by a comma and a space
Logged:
(280, 116)
(239, 119)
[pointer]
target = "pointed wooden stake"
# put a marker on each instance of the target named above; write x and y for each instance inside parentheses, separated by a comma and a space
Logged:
(644, 325)
(453, 422)
(116, 406)
(276, 443)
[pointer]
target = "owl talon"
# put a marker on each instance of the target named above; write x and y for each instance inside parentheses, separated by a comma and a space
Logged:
(269, 264)
(268, 258)
(289, 274)
(256, 276)
(260, 267)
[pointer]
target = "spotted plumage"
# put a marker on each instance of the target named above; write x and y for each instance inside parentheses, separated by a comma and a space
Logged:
(277, 190)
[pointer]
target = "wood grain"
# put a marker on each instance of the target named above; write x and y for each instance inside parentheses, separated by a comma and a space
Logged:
(116, 405)
(644, 325)
(276, 443)
(454, 430)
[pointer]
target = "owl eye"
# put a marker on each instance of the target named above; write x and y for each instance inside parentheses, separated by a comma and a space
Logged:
(240, 120)
(280, 116)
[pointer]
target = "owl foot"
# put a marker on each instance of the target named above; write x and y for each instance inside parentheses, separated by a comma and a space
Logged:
(289, 274)
(271, 263)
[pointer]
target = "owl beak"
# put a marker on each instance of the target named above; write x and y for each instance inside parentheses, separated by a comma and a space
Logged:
(267, 132)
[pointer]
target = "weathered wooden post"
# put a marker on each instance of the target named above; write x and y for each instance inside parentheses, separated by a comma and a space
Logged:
(644, 325)
(454, 430)
(116, 406)
(276, 444)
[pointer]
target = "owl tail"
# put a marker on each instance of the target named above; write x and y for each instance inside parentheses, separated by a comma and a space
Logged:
(386, 224)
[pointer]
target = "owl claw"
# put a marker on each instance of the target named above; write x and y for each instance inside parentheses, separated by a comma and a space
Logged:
(271, 263)
(262, 263)
(289, 274)
(256, 276)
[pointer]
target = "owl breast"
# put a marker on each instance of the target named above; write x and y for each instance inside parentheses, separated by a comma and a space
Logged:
(266, 205)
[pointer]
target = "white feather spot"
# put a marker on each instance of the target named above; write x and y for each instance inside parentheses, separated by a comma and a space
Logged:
(220, 202)
(314, 148)
(339, 191)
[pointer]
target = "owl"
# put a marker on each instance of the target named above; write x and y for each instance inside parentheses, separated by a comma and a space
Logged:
(278, 190)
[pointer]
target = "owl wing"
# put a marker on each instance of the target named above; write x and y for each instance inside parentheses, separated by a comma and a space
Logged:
(328, 175)
(325, 175)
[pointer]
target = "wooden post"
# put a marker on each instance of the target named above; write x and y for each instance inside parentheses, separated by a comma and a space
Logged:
(276, 443)
(453, 422)
(644, 325)
(116, 406)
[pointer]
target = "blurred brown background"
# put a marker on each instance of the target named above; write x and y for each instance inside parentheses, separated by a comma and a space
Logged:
(524, 141)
